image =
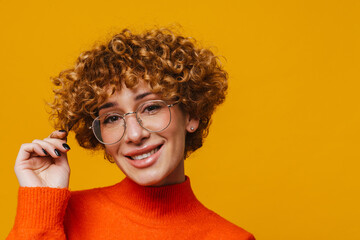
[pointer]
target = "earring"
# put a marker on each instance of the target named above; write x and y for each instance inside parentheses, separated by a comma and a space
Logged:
(192, 129)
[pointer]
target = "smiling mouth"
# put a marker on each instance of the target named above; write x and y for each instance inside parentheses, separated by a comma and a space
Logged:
(145, 155)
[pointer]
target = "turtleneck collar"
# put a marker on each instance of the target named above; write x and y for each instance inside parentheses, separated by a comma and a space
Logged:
(157, 203)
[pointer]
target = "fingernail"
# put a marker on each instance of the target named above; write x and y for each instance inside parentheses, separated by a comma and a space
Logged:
(45, 152)
(57, 152)
(62, 130)
(67, 147)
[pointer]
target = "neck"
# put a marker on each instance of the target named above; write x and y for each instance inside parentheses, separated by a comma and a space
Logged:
(160, 204)
(177, 176)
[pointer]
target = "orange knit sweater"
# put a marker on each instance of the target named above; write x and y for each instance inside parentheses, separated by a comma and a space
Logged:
(123, 211)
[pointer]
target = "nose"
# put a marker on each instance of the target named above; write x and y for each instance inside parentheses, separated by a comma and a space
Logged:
(134, 133)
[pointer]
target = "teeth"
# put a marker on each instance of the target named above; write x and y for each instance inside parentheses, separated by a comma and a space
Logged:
(145, 155)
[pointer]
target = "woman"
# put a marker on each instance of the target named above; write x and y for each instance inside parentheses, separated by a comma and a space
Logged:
(146, 100)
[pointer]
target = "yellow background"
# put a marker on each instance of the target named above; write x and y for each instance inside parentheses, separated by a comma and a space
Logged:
(282, 157)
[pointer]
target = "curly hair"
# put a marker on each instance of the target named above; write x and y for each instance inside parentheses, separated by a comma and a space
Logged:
(172, 66)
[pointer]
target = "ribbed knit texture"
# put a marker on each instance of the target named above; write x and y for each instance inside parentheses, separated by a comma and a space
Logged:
(40, 213)
(123, 211)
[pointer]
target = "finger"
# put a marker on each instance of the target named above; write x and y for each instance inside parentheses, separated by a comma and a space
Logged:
(59, 134)
(62, 161)
(59, 143)
(53, 146)
(50, 148)
(56, 148)
(29, 149)
(56, 151)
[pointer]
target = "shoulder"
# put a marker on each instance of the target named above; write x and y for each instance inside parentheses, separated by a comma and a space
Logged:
(83, 202)
(89, 196)
(218, 227)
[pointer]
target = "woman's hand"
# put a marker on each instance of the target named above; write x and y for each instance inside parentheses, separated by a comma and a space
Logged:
(44, 163)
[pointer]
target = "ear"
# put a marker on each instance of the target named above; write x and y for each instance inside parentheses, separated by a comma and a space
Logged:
(191, 123)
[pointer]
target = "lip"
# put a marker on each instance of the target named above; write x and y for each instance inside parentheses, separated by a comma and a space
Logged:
(146, 162)
(142, 150)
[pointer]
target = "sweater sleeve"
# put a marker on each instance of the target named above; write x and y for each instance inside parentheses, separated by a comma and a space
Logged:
(40, 213)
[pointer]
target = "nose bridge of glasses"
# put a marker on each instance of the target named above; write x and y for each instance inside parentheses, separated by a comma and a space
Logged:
(129, 114)
(136, 116)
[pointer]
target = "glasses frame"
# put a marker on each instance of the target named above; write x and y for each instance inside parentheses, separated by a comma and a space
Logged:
(137, 119)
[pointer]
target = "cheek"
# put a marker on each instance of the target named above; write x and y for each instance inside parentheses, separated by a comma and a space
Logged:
(112, 149)
(176, 133)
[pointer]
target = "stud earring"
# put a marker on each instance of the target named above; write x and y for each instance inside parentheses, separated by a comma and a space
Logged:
(192, 129)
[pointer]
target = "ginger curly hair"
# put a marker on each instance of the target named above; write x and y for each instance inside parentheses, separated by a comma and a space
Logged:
(172, 65)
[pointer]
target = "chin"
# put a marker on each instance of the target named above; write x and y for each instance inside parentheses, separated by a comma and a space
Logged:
(148, 179)
(159, 173)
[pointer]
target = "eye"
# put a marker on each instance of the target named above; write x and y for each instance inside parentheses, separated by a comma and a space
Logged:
(111, 118)
(151, 108)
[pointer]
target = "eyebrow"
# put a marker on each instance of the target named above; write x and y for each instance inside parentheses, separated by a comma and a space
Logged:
(112, 104)
(141, 96)
(106, 105)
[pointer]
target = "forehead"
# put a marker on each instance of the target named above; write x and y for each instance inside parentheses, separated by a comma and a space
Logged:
(125, 93)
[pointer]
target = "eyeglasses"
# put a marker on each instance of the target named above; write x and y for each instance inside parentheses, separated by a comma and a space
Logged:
(153, 115)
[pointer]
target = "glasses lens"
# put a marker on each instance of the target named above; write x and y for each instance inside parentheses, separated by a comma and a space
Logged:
(109, 128)
(154, 116)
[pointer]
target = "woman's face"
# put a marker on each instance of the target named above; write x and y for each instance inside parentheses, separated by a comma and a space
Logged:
(148, 158)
